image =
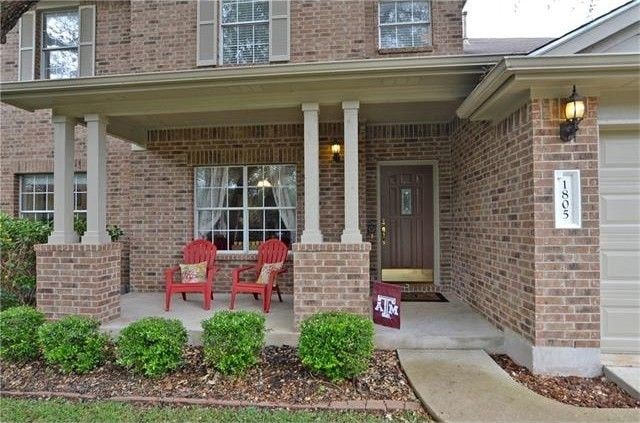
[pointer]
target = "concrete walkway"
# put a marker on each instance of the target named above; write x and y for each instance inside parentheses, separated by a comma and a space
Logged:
(468, 386)
(627, 378)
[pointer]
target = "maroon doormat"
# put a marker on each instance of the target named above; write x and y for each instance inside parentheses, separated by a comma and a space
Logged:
(430, 297)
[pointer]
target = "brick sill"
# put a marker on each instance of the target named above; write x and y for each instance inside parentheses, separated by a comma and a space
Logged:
(428, 49)
(230, 255)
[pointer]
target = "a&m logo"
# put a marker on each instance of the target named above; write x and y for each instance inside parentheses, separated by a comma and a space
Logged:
(386, 306)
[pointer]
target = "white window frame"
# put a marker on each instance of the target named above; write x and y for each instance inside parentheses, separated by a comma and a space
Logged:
(245, 208)
(397, 24)
(48, 211)
(43, 70)
(221, 36)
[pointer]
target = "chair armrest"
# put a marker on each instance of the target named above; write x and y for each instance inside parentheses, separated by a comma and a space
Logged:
(168, 274)
(237, 271)
(273, 276)
(211, 273)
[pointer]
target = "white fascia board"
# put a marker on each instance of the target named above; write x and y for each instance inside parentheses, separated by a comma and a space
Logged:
(593, 32)
(499, 82)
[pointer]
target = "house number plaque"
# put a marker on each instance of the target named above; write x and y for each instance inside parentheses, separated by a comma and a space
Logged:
(566, 193)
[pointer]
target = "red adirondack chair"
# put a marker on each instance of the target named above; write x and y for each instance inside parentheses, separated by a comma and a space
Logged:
(272, 251)
(195, 252)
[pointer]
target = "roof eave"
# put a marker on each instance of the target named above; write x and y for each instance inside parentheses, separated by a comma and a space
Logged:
(513, 75)
(38, 93)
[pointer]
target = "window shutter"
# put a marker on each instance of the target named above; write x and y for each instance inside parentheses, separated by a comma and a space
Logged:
(207, 34)
(279, 28)
(26, 50)
(87, 45)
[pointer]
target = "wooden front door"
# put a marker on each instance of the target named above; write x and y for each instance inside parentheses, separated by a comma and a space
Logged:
(406, 223)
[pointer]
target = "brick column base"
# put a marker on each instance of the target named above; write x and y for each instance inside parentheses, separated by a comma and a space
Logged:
(330, 276)
(79, 279)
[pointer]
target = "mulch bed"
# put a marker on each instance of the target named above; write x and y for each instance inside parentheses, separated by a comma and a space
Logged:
(597, 392)
(280, 377)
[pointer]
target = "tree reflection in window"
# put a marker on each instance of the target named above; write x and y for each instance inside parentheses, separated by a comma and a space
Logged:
(60, 37)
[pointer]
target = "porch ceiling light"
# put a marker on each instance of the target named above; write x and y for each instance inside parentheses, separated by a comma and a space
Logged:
(335, 149)
(574, 112)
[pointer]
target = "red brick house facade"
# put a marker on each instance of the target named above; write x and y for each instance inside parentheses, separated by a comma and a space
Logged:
(160, 97)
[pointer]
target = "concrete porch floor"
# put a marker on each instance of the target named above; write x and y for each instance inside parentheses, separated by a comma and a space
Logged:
(450, 325)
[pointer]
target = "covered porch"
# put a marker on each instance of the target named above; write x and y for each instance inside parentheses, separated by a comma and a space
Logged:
(437, 325)
(279, 114)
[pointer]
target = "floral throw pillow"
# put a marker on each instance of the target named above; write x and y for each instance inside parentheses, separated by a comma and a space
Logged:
(266, 271)
(194, 273)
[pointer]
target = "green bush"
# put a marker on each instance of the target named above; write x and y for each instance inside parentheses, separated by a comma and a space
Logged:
(336, 344)
(73, 343)
(232, 341)
(8, 300)
(18, 333)
(152, 346)
(80, 224)
(18, 258)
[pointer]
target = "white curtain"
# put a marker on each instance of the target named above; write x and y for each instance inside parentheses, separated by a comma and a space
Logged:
(286, 197)
(219, 178)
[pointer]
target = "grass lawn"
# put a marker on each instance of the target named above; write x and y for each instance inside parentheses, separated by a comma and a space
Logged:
(27, 410)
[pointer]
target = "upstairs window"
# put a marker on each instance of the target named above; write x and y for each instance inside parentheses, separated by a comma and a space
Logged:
(245, 31)
(404, 24)
(60, 43)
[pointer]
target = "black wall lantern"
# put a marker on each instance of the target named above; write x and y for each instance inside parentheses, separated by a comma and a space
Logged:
(574, 112)
(335, 149)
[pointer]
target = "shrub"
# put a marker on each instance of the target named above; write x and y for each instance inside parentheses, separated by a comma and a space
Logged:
(80, 224)
(73, 343)
(152, 346)
(18, 333)
(8, 300)
(18, 258)
(232, 341)
(336, 344)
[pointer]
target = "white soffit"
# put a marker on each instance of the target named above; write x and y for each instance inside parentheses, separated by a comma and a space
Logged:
(517, 79)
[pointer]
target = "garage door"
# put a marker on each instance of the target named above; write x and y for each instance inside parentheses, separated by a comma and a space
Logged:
(620, 240)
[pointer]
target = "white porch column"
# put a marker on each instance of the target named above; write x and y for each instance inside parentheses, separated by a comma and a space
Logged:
(96, 181)
(351, 233)
(311, 234)
(63, 140)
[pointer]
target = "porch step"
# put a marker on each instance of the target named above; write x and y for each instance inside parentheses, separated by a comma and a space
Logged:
(492, 344)
(437, 325)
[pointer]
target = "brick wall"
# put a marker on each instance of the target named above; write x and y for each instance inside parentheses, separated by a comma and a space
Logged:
(79, 279)
(329, 30)
(509, 262)
(416, 142)
(163, 35)
(331, 276)
(150, 35)
(492, 214)
(567, 260)
(113, 40)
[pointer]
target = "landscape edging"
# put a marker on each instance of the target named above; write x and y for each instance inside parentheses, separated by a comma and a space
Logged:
(369, 405)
